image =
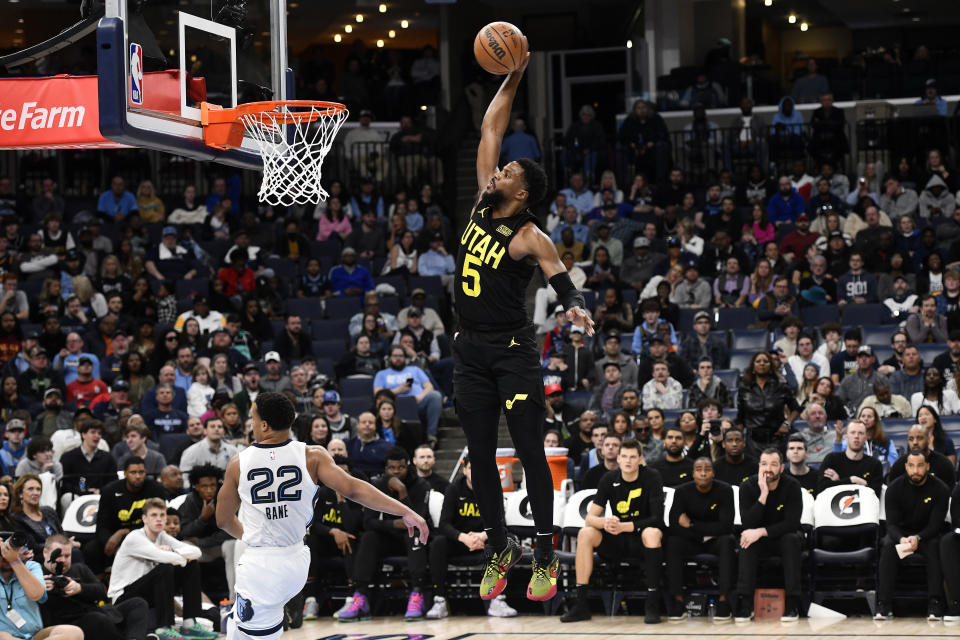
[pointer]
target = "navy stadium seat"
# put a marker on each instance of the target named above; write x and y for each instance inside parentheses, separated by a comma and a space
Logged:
(749, 339)
(740, 360)
(305, 308)
(738, 318)
(354, 406)
(407, 409)
(429, 284)
(860, 314)
(356, 387)
(820, 314)
(333, 349)
(328, 329)
(343, 307)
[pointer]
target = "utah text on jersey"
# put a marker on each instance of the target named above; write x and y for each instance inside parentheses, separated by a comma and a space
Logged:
(483, 247)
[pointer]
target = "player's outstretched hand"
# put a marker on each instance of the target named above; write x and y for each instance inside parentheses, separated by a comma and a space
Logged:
(415, 522)
(579, 317)
(526, 60)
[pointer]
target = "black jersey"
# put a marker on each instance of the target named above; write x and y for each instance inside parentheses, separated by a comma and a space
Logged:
(490, 288)
(639, 501)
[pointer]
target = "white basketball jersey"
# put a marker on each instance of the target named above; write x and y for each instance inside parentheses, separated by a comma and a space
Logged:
(277, 495)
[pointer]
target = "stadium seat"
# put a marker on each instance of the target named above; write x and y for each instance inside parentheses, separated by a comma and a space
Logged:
(685, 322)
(333, 349)
(360, 386)
(876, 335)
(850, 514)
(735, 318)
(930, 351)
(325, 366)
(397, 282)
(755, 339)
(728, 376)
(170, 442)
(326, 329)
(305, 308)
(855, 315)
(740, 360)
(192, 288)
(390, 304)
(429, 284)
(820, 314)
(354, 406)
(343, 307)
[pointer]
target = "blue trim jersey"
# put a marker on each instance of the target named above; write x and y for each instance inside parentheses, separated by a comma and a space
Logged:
(277, 495)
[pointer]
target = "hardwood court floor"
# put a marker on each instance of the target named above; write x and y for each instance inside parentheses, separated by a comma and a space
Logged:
(620, 628)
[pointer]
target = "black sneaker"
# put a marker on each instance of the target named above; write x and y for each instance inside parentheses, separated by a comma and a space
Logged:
(676, 610)
(935, 610)
(884, 611)
(791, 611)
(743, 612)
(294, 611)
(953, 612)
(579, 611)
(652, 608)
(723, 611)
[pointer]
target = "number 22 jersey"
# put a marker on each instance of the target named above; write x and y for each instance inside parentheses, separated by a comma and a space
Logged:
(491, 286)
(277, 494)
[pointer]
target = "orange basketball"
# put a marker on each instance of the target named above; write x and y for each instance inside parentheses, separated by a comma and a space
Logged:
(499, 48)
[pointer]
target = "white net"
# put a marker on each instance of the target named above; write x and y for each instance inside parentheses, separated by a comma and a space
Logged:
(293, 142)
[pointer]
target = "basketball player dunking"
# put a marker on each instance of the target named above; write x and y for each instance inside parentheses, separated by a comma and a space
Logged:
(497, 364)
(273, 483)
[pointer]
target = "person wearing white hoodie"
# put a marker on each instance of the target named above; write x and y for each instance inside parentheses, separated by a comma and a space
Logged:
(936, 200)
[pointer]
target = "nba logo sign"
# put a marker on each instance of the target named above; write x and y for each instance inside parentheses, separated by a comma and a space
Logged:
(136, 73)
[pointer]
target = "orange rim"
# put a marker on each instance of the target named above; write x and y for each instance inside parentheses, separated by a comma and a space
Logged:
(224, 128)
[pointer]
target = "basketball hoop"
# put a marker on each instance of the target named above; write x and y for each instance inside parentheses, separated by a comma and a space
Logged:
(293, 137)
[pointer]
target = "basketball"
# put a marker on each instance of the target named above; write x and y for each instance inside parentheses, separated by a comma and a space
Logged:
(499, 48)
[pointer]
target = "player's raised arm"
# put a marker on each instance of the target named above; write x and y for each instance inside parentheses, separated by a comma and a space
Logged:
(533, 242)
(495, 122)
(327, 472)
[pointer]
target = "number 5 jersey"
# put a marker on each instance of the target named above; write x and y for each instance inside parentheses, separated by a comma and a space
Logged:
(277, 495)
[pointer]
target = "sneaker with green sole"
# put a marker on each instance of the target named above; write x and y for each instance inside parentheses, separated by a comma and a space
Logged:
(169, 633)
(497, 565)
(543, 582)
(197, 632)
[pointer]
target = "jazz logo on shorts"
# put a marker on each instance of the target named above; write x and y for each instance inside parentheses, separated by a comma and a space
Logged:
(516, 398)
(136, 73)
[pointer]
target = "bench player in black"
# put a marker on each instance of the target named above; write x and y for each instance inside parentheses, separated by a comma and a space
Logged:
(497, 364)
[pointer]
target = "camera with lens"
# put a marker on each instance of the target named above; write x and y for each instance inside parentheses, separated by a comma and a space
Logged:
(714, 426)
(59, 580)
(15, 539)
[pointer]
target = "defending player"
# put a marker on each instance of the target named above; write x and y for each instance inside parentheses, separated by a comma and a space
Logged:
(273, 483)
(497, 366)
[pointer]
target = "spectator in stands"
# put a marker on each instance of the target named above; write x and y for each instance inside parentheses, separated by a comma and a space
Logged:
(885, 403)
(819, 284)
(828, 140)
(84, 387)
(635, 519)
(274, 379)
(607, 394)
(920, 439)
(135, 437)
(612, 353)
(460, 534)
(577, 194)
(368, 238)
(208, 320)
(411, 381)
(26, 588)
(810, 87)
(238, 279)
(662, 391)
(675, 468)
(936, 200)
(14, 447)
(519, 144)
(701, 344)
(856, 286)
(897, 201)
(606, 461)
(89, 466)
(293, 343)
(211, 450)
(857, 385)
(383, 537)
(584, 141)
(39, 459)
(646, 330)
(251, 388)
(916, 506)
(68, 360)
(437, 261)
(766, 407)
(798, 469)
(144, 568)
(735, 466)
(424, 462)
(121, 503)
(927, 325)
(581, 440)
(787, 130)
(852, 466)
(350, 278)
(367, 449)
(116, 203)
(708, 386)
(47, 200)
(930, 96)
(679, 370)
(805, 355)
(171, 261)
(935, 395)
(34, 521)
(703, 92)
(645, 142)
(770, 507)
(693, 292)
(701, 521)
(78, 600)
(795, 244)
(166, 418)
(786, 205)
(777, 304)
(651, 448)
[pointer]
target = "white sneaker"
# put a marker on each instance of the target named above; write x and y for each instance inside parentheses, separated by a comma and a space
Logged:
(500, 609)
(346, 605)
(310, 608)
(439, 609)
